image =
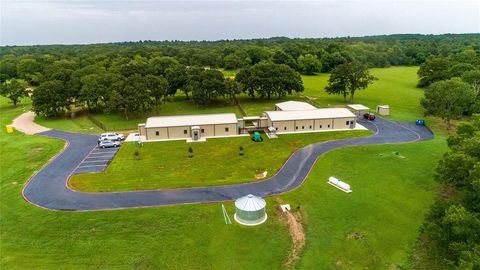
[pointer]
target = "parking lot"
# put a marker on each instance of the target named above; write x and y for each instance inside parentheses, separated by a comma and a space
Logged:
(97, 160)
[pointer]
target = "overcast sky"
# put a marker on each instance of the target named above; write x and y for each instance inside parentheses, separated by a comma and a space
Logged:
(74, 21)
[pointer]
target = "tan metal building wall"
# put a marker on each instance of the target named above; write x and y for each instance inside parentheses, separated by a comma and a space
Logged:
(323, 124)
(220, 130)
(304, 125)
(341, 123)
(151, 133)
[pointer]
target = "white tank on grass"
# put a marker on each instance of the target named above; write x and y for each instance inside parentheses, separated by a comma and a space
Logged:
(334, 181)
(250, 210)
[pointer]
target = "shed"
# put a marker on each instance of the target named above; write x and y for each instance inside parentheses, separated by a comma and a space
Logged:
(383, 109)
(250, 210)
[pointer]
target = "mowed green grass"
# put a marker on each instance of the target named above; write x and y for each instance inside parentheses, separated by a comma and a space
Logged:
(176, 237)
(80, 124)
(375, 226)
(215, 162)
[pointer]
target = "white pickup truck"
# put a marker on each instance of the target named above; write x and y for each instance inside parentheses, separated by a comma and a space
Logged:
(112, 136)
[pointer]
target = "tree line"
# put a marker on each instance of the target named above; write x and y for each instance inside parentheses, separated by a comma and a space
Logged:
(452, 85)
(452, 228)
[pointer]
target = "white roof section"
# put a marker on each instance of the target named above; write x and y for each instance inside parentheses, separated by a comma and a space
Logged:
(295, 106)
(310, 114)
(191, 120)
(358, 107)
(384, 106)
(250, 203)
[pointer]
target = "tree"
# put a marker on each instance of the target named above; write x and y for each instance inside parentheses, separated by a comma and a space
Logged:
(267, 79)
(190, 152)
(433, 70)
(177, 79)
(206, 85)
(347, 78)
(27, 67)
(309, 64)
(157, 86)
(472, 77)
(448, 100)
(159, 65)
(281, 57)
(49, 98)
(13, 90)
(232, 89)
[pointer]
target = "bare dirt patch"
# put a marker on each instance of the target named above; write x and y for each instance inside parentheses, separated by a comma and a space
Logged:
(297, 233)
(24, 123)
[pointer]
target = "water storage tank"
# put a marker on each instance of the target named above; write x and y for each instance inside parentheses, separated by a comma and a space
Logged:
(334, 181)
(250, 210)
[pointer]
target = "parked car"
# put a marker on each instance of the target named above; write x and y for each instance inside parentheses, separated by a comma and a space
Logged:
(369, 116)
(108, 143)
(113, 136)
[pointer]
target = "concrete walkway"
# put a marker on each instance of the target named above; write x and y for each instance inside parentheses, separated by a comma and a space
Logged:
(48, 187)
(25, 124)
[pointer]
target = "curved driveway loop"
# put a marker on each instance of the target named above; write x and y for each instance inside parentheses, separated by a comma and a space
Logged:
(48, 187)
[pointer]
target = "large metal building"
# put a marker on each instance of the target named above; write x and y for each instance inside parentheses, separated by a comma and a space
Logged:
(194, 127)
(250, 210)
(310, 120)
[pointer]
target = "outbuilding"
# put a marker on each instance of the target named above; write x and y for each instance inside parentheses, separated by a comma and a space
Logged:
(194, 127)
(383, 109)
(311, 120)
(250, 210)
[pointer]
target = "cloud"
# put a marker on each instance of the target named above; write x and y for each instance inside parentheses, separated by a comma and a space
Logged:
(46, 22)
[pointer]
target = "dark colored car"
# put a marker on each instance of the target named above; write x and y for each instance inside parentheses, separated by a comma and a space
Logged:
(369, 116)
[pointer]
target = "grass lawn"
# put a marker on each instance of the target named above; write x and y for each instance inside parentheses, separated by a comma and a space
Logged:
(375, 226)
(215, 162)
(79, 124)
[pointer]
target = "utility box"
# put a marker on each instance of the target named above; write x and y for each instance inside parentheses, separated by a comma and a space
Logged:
(383, 110)
(9, 129)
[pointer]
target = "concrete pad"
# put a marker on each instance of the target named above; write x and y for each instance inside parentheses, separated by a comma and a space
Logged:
(24, 123)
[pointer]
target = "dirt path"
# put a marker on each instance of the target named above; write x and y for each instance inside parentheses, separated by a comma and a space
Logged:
(297, 233)
(25, 124)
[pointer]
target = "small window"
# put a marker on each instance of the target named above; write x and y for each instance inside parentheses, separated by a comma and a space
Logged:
(320, 126)
(303, 127)
(310, 127)
(348, 123)
(276, 128)
(284, 128)
(184, 131)
(203, 130)
(157, 133)
(226, 129)
(328, 126)
(296, 127)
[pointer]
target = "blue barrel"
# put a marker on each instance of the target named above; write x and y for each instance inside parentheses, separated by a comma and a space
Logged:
(420, 122)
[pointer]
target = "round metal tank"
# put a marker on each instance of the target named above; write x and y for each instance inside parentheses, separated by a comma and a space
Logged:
(250, 210)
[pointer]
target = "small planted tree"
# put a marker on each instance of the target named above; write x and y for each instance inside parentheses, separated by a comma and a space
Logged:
(190, 152)
(136, 154)
(240, 152)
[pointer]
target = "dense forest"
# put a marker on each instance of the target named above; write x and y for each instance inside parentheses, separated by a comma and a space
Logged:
(135, 77)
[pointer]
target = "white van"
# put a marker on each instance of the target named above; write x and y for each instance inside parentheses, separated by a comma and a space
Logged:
(112, 136)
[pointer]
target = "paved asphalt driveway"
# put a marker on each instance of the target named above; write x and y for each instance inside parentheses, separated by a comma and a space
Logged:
(48, 187)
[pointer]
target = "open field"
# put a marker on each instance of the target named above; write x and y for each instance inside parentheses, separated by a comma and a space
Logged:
(215, 162)
(376, 225)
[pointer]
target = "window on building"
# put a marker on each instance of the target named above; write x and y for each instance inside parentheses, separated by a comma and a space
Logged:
(226, 129)
(202, 130)
(348, 123)
(184, 131)
(310, 127)
(157, 133)
(328, 126)
(320, 126)
(276, 128)
(284, 128)
(303, 127)
(296, 127)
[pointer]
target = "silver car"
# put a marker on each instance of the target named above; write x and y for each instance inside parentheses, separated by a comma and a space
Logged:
(108, 143)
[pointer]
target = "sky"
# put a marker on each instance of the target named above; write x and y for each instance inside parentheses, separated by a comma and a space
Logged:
(29, 22)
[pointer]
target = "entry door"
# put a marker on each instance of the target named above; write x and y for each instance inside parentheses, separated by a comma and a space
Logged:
(195, 135)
